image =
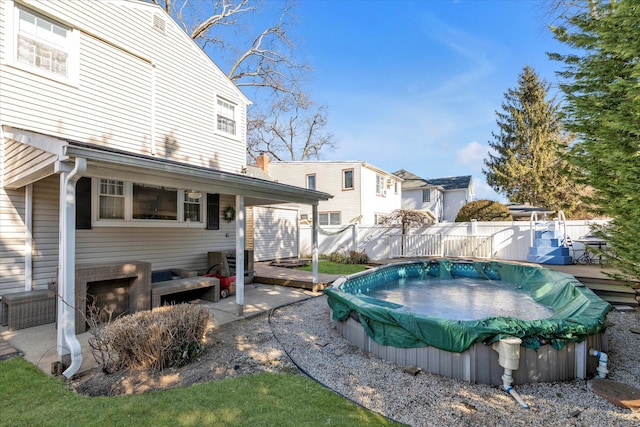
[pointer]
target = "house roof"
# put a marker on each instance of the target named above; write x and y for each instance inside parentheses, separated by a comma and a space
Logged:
(520, 211)
(414, 182)
(453, 182)
(256, 191)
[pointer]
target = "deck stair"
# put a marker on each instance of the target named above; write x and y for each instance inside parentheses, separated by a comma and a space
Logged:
(613, 291)
(548, 242)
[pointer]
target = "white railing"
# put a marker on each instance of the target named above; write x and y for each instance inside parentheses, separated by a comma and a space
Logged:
(439, 245)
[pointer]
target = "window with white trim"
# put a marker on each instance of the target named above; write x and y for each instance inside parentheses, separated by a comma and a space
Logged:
(192, 208)
(43, 45)
(226, 113)
(378, 218)
(125, 202)
(111, 193)
(426, 196)
(329, 218)
(347, 179)
(380, 185)
(311, 181)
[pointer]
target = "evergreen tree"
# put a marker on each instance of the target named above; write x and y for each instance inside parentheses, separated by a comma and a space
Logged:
(603, 109)
(527, 163)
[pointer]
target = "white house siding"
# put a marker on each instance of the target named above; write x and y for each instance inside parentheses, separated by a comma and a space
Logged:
(328, 180)
(45, 230)
(13, 237)
(412, 199)
(360, 204)
(108, 114)
(163, 247)
(275, 233)
(454, 200)
(373, 203)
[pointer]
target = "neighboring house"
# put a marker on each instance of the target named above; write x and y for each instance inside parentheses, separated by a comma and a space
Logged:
(361, 192)
(441, 197)
(120, 140)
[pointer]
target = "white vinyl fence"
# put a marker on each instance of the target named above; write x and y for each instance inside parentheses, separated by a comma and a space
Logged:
(492, 240)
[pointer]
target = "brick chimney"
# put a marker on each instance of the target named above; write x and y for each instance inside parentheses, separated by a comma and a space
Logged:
(262, 161)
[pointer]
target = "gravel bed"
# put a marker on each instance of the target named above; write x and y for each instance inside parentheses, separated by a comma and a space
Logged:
(311, 341)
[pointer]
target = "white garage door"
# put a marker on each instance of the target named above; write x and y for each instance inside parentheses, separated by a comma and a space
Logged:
(275, 233)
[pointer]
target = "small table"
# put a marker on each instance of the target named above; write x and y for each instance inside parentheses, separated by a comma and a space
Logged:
(587, 256)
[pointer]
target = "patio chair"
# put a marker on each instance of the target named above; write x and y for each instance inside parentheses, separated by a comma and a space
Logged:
(579, 256)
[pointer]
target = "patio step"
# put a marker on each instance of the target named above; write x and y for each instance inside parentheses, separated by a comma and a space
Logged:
(613, 291)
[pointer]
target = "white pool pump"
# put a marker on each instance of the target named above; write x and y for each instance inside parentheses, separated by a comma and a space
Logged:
(509, 358)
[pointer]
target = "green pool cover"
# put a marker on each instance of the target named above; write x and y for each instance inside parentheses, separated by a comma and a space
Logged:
(578, 311)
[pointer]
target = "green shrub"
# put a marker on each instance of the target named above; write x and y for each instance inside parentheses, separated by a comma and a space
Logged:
(154, 340)
(358, 257)
(484, 210)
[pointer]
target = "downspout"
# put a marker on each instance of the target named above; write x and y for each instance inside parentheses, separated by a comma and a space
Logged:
(67, 340)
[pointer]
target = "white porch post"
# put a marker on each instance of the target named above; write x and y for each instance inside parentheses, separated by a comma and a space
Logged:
(240, 242)
(314, 245)
(28, 238)
(68, 345)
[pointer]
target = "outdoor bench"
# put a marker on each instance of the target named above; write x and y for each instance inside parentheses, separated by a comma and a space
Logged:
(172, 286)
(22, 310)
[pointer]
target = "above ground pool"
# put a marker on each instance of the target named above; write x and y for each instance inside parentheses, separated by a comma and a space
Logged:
(448, 316)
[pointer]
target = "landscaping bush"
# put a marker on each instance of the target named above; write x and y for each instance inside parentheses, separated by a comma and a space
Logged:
(484, 210)
(358, 257)
(336, 257)
(154, 340)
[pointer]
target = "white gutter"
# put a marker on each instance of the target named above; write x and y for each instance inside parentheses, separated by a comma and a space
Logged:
(67, 341)
(234, 183)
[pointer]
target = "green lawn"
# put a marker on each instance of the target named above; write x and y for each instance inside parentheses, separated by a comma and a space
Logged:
(31, 398)
(328, 267)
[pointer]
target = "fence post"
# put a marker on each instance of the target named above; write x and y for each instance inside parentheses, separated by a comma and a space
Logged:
(354, 237)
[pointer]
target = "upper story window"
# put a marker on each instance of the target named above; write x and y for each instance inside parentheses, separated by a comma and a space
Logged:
(124, 201)
(396, 187)
(426, 196)
(380, 191)
(44, 46)
(226, 117)
(311, 181)
(347, 179)
(329, 218)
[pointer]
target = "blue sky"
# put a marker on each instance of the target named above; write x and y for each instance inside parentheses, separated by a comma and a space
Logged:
(415, 84)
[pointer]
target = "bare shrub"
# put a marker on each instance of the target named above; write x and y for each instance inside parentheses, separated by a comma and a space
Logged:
(153, 340)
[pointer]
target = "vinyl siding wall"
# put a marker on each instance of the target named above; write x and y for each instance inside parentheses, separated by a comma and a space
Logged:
(276, 233)
(126, 84)
(373, 203)
(453, 201)
(329, 180)
(12, 240)
(164, 248)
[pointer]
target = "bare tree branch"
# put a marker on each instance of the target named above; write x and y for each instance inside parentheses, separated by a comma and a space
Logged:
(289, 127)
